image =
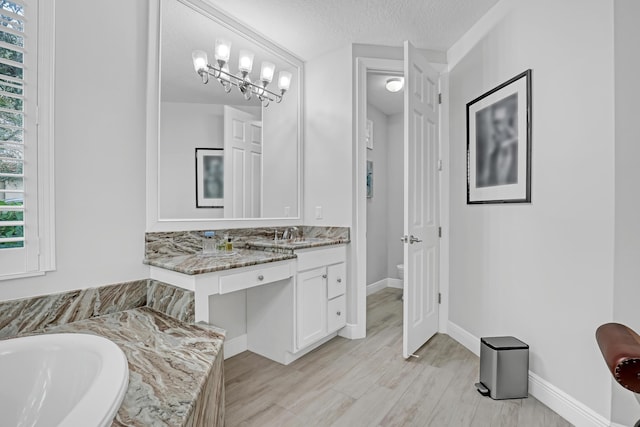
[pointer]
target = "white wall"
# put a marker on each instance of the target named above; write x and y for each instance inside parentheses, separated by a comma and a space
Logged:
(99, 148)
(183, 128)
(395, 208)
(542, 272)
(377, 219)
(328, 139)
(625, 409)
(328, 136)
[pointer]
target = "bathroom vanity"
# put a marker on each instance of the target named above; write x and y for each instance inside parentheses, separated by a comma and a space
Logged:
(279, 299)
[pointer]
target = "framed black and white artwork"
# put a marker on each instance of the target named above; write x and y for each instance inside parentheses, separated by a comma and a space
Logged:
(209, 178)
(499, 144)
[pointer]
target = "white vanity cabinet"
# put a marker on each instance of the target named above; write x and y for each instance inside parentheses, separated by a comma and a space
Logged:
(320, 294)
(281, 309)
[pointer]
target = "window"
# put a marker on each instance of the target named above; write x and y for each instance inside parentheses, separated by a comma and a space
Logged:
(26, 209)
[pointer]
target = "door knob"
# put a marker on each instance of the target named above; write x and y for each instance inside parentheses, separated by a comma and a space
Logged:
(339, 313)
(339, 280)
(324, 276)
(261, 277)
(413, 239)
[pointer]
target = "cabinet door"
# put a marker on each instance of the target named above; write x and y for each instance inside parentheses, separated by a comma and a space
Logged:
(311, 306)
(336, 313)
(337, 280)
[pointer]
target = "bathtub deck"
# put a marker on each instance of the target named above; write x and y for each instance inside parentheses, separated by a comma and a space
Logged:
(175, 368)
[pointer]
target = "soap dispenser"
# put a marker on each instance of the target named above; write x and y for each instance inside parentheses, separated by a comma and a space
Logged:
(209, 243)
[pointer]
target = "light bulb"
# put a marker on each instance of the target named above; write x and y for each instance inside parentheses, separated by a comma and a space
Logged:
(266, 73)
(223, 50)
(199, 60)
(284, 80)
(245, 64)
(395, 84)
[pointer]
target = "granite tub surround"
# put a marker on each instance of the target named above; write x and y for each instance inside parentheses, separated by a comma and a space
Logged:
(175, 302)
(198, 264)
(27, 315)
(175, 369)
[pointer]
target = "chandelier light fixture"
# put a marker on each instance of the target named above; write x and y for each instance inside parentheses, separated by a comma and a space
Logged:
(220, 71)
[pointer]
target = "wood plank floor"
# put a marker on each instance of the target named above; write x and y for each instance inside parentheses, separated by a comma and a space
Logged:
(368, 383)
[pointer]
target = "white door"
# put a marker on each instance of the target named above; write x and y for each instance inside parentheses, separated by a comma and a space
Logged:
(421, 210)
(311, 295)
(242, 164)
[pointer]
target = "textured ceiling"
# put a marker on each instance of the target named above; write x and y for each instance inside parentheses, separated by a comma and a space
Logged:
(309, 28)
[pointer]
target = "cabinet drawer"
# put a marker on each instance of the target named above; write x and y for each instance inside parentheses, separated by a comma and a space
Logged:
(314, 258)
(255, 277)
(336, 313)
(337, 280)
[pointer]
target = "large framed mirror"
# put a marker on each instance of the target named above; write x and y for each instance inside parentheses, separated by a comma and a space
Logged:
(214, 157)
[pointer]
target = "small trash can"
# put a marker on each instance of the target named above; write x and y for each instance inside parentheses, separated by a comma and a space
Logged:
(504, 368)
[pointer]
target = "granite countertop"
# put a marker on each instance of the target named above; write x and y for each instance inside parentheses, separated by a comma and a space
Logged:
(199, 264)
(169, 362)
(312, 242)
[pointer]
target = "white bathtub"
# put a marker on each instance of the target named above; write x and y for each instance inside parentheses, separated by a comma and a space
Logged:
(68, 380)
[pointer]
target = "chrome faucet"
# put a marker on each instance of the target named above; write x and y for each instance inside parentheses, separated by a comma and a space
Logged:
(290, 233)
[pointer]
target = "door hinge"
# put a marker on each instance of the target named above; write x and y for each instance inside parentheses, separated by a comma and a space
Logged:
(439, 298)
(439, 231)
(440, 165)
(439, 98)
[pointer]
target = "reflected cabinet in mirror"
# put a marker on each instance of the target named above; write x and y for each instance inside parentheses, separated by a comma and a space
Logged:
(226, 147)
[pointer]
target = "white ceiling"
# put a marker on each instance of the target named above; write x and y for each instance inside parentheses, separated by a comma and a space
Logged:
(309, 28)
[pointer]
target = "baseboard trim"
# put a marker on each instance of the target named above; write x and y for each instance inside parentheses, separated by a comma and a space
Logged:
(569, 408)
(464, 337)
(235, 346)
(395, 283)
(377, 286)
(565, 405)
(384, 283)
(352, 331)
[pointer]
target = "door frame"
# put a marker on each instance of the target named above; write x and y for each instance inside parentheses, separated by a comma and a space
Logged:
(359, 229)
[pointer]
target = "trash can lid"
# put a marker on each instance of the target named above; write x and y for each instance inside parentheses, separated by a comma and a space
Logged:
(504, 343)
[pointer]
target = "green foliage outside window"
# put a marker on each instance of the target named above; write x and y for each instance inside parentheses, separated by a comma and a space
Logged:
(11, 231)
(11, 122)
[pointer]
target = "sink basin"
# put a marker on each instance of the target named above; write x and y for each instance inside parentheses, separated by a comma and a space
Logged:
(61, 379)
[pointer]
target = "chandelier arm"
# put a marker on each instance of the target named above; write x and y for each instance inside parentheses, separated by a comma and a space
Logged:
(239, 82)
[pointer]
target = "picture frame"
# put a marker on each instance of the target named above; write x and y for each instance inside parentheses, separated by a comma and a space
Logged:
(369, 179)
(499, 143)
(209, 178)
(369, 134)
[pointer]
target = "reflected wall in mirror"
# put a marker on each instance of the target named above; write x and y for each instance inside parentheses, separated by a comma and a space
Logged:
(259, 145)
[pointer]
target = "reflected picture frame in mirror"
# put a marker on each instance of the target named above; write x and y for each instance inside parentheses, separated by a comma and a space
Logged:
(210, 178)
(165, 203)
